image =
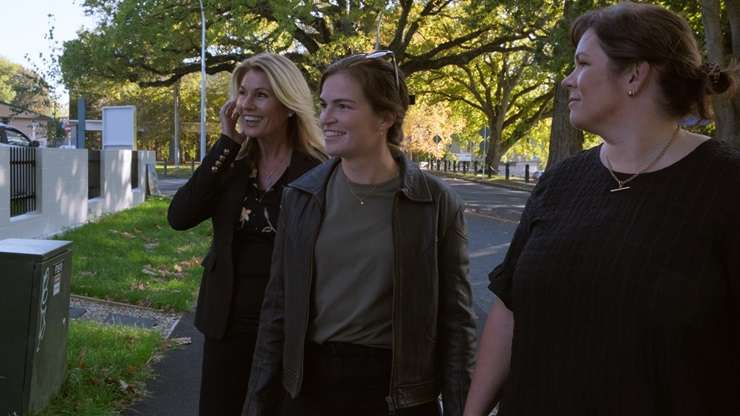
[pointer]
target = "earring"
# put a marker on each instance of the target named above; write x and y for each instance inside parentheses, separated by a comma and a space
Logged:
(631, 93)
(291, 114)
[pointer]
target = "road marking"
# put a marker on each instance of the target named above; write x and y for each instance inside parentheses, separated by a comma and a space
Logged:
(478, 212)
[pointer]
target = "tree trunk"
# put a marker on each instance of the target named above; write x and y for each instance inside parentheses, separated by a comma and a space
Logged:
(493, 157)
(733, 16)
(175, 143)
(724, 113)
(565, 140)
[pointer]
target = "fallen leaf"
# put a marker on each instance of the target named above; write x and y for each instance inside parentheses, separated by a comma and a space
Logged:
(181, 341)
(150, 246)
(147, 269)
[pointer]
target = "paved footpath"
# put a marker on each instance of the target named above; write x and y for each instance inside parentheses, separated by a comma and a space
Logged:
(491, 217)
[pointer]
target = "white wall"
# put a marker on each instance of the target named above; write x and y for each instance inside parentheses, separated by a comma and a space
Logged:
(4, 186)
(61, 190)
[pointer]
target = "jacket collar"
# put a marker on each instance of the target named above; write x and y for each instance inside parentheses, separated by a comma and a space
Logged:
(413, 182)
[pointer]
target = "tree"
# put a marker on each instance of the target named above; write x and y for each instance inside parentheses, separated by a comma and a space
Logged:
(505, 88)
(23, 88)
(723, 48)
(423, 122)
(155, 43)
(155, 118)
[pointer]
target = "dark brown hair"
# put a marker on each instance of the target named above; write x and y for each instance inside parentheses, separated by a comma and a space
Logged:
(377, 79)
(630, 33)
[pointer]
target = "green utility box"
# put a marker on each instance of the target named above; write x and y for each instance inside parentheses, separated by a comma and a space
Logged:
(34, 317)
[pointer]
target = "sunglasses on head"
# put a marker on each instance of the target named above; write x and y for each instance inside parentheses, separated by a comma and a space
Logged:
(381, 54)
(384, 54)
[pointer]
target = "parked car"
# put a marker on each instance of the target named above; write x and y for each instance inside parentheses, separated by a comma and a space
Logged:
(536, 175)
(10, 136)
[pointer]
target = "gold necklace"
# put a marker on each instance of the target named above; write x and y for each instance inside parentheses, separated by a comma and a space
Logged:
(362, 201)
(621, 183)
(270, 179)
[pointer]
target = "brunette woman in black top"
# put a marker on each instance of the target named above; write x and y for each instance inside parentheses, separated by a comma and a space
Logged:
(238, 187)
(620, 293)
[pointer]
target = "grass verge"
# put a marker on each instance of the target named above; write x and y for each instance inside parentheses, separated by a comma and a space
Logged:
(185, 170)
(134, 256)
(107, 367)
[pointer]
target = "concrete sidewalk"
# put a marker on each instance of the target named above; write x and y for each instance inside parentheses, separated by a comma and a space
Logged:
(175, 390)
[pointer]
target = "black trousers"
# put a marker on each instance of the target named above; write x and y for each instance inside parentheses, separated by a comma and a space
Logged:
(228, 361)
(347, 379)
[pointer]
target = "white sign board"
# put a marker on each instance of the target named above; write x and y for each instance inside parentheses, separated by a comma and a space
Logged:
(464, 157)
(119, 127)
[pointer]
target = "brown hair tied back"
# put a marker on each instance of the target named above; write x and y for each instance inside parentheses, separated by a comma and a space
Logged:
(718, 80)
(632, 32)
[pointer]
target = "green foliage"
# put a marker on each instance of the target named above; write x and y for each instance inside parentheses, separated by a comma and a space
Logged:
(23, 88)
(154, 43)
(107, 367)
(135, 257)
(140, 48)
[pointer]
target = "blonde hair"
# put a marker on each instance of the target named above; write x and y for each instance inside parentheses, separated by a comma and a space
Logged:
(291, 89)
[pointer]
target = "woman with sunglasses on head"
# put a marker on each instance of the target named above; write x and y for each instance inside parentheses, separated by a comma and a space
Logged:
(238, 187)
(620, 292)
(368, 310)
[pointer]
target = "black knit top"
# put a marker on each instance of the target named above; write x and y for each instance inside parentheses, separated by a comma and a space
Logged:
(627, 303)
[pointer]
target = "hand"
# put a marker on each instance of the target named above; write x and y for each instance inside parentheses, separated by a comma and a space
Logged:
(228, 117)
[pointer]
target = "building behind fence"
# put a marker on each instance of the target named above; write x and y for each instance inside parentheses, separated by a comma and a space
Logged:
(44, 191)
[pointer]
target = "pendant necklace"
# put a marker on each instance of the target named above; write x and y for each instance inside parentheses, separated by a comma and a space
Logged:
(621, 183)
(362, 201)
(271, 177)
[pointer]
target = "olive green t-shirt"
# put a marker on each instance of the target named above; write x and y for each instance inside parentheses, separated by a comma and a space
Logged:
(353, 292)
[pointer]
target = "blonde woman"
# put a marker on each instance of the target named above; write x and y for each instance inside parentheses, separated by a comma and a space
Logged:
(269, 137)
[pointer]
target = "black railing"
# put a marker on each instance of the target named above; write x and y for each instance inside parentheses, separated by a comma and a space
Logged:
(93, 174)
(134, 169)
(22, 180)
(475, 168)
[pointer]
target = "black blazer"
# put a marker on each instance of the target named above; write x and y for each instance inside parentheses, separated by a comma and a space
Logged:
(216, 191)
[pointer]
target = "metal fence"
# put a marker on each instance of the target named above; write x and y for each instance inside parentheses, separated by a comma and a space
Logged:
(134, 169)
(22, 180)
(476, 168)
(93, 174)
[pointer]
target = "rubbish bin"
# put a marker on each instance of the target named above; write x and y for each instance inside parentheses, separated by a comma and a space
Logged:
(34, 311)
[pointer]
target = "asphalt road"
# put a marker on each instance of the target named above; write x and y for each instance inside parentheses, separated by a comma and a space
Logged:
(491, 216)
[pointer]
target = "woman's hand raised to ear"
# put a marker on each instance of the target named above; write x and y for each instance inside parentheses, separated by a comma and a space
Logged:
(228, 117)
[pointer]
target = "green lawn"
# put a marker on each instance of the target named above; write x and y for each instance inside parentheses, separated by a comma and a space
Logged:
(135, 257)
(107, 368)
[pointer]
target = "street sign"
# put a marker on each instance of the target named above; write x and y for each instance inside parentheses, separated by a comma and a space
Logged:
(485, 132)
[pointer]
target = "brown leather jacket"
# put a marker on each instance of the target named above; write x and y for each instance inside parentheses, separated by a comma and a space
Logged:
(433, 333)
